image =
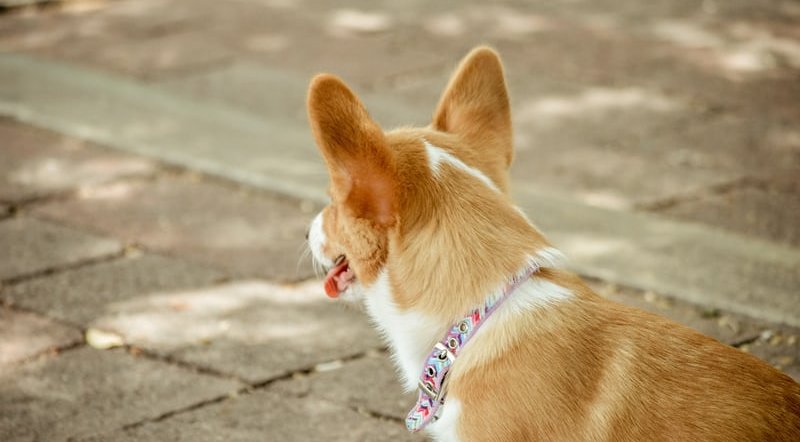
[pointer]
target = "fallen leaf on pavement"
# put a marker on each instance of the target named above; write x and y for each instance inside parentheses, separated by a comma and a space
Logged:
(103, 340)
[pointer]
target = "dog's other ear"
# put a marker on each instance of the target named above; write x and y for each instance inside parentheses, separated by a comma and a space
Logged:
(475, 103)
(360, 163)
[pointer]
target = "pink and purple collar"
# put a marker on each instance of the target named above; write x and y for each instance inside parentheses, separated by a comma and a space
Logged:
(433, 380)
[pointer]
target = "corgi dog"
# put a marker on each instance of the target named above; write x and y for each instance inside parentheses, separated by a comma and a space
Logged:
(502, 343)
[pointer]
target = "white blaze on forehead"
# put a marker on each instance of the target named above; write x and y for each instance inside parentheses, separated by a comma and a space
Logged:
(437, 156)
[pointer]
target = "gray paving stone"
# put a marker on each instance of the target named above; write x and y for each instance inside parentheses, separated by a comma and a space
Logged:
(87, 391)
(247, 234)
(146, 58)
(614, 178)
(280, 94)
(343, 56)
(253, 329)
(87, 293)
(370, 383)
(24, 335)
(272, 94)
(31, 246)
(138, 39)
(36, 163)
(759, 212)
(271, 416)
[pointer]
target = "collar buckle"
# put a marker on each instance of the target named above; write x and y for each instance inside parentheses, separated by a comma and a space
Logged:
(440, 366)
(432, 388)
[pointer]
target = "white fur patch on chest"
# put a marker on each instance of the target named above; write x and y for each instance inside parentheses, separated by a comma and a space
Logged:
(410, 334)
(438, 156)
(446, 428)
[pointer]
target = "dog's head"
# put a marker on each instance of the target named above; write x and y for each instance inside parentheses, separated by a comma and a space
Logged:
(425, 208)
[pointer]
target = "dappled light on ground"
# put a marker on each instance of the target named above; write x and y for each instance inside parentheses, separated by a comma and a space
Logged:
(347, 21)
(25, 335)
(200, 316)
(54, 172)
(608, 200)
(181, 215)
(283, 325)
(447, 25)
(108, 192)
(591, 247)
(40, 162)
(497, 21)
(594, 102)
(735, 47)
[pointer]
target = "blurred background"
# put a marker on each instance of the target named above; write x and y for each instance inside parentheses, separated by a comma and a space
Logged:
(157, 176)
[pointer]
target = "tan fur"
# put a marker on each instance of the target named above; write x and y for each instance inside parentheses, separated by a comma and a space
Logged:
(475, 106)
(596, 370)
(583, 369)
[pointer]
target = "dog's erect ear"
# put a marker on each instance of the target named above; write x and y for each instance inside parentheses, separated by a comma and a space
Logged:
(361, 165)
(475, 103)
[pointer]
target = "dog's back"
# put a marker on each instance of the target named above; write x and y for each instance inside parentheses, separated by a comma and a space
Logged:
(592, 369)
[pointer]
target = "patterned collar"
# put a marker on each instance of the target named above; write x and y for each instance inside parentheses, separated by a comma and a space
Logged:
(433, 380)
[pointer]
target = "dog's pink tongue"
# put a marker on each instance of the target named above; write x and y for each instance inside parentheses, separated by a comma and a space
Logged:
(336, 280)
(344, 279)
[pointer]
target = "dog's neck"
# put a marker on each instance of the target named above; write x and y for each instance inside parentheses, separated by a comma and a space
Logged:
(411, 334)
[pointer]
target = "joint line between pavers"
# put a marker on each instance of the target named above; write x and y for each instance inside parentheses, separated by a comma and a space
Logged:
(309, 369)
(63, 268)
(375, 415)
(249, 388)
(170, 360)
(56, 196)
(53, 351)
(187, 409)
(5, 303)
(39, 5)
